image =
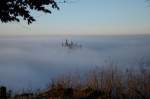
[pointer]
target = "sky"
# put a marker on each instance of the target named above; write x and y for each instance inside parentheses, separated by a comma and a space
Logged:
(87, 17)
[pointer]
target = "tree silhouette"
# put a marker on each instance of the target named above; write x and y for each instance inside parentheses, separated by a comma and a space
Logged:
(13, 10)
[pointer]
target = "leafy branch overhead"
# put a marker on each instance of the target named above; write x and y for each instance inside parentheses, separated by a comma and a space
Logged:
(13, 10)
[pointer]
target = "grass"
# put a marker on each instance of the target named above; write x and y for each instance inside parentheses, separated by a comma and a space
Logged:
(107, 82)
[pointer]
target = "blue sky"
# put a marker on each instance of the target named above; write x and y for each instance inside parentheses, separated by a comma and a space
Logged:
(88, 17)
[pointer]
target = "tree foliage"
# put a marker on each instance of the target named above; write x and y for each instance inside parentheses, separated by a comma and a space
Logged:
(13, 10)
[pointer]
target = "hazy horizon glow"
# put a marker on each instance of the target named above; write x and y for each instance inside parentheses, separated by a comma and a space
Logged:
(88, 17)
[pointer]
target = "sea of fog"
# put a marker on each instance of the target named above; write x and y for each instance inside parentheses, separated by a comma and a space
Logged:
(30, 62)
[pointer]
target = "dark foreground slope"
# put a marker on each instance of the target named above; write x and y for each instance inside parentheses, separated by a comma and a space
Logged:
(108, 82)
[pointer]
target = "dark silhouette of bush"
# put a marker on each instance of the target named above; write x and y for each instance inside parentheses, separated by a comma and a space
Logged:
(68, 92)
(3, 92)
